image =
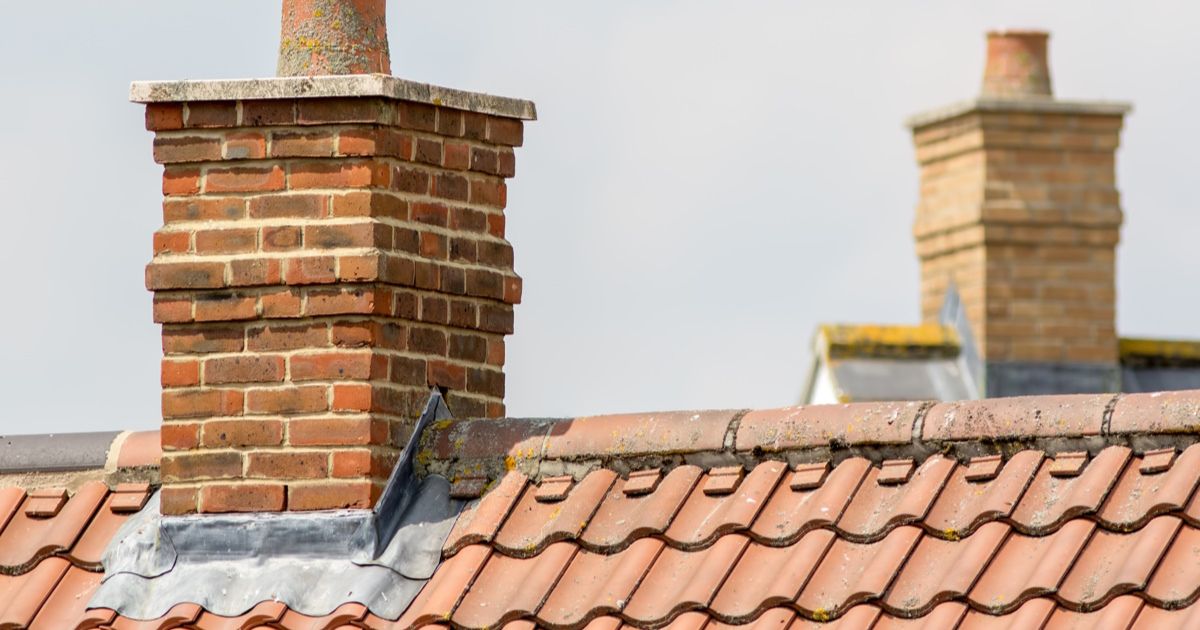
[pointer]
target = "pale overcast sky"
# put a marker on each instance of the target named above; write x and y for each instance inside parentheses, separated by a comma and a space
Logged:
(707, 180)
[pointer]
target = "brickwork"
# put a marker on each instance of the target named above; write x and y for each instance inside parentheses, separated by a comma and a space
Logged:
(322, 263)
(1020, 210)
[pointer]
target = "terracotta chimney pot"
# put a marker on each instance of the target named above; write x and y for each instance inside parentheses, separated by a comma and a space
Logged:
(321, 37)
(1017, 65)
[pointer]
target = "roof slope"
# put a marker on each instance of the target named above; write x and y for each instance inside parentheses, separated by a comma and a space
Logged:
(1066, 511)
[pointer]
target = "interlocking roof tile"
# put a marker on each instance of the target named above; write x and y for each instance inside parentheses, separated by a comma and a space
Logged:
(1139, 496)
(622, 516)
(769, 576)
(791, 512)
(1051, 500)
(705, 516)
(876, 507)
(965, 504)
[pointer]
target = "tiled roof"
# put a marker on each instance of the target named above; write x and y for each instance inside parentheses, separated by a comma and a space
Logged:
(1045, 512)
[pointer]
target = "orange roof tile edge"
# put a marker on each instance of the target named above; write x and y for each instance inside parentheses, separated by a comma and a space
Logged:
(469, 448)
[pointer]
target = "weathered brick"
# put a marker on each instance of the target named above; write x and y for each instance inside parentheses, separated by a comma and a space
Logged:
(276, 337)
(338, 431)
(335, 366)
(331, 495)
(241, 433)
(242, 497)
(244, 369)
(193, 466)
(180, 373)
(195, 403)
(288, 400)
(287, 465)
(244, 179)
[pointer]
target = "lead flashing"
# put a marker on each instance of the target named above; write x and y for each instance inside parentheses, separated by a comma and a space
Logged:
(1021, 105)
(343, 86)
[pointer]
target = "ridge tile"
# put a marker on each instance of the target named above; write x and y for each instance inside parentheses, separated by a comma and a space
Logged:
(876, 508)
(1019, 417)
(637, 435)
(1158, 412)
(790, 428)
(704, 517)
(622, 516)
(790, 513)
(534, 524)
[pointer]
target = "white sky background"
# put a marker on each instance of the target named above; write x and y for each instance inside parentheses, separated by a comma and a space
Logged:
(707, 180)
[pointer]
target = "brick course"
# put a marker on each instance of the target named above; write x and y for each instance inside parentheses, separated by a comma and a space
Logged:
(322, 263)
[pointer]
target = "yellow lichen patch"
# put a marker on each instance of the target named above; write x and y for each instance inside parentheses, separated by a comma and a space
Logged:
(1159, 350)
(950, 533)
(820, 614)
(510, 462)
(848, 341)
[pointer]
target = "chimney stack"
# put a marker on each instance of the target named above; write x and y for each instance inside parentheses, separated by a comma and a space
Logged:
(1019, 212)
(332, 247)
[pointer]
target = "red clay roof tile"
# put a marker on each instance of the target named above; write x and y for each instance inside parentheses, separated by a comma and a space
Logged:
(1139, 496)
(596, 583)
(965, 504)
(27, 539)
(66, 605)
(343, 616)
(704, 517)
(941, 570)
(88, 550)
(1114, 563)
(1118, 615)
(1050, 500)
(1159, 412)
(441, 595)
(876, 507)
(1031, 614)
(46, 502)
(140, 448)
(852, 572)
(22, 596)
(261, 615)
(642, 482)
(179, 616)
(1152, 618)
(1177, 579)
(509, 588)
(946, 615)
(682, 580)
(534, 524)
(857, 618)
(773, 619)
(790, 513)
(481, 521)
(1027, 566)
(622, 516)
(768, 576)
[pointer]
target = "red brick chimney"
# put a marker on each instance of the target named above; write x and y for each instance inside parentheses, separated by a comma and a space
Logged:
(1019, 212)
(332, 247)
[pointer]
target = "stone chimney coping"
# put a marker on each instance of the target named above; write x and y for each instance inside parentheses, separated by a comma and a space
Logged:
(1025, 105)
(342, 86)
